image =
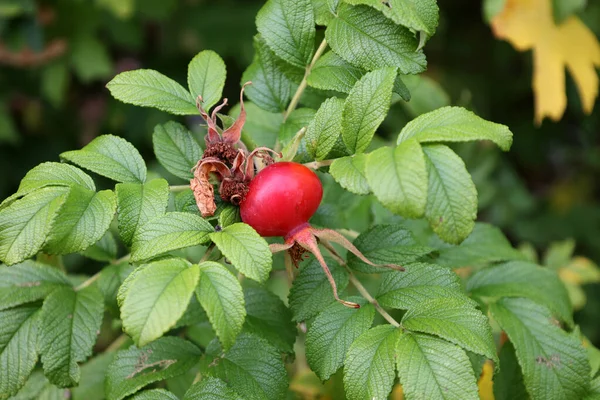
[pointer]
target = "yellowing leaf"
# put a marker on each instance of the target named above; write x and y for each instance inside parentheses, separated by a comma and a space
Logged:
(485, 383)
(529, 24)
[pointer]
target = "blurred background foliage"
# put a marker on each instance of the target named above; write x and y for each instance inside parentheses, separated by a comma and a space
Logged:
(56, 57)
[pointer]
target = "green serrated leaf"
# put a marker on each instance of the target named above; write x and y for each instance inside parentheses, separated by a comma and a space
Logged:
(211, 389)
(149, 88)
(104, 249)
(349, 172)
(324, 130)
(455, 124)
(134, 368)
(28, 282)
(220, 294)
(514, 279)
(508, 382)
(398, 178)
(311, 291)
(288, 27)
(331, 334)
(176, 149)
(248, 252)
(269, 318)
(26, 223)
(369, 366)
(206, 77)
(174, 230)
(110, 156)
(69, 324)
(451, 197)
(156, 298)
(83, 220)
(253, 367)
(32, 388)
(332, 72)
(365, 108)
(322, 12)
(419, 283)
(18, 353)
(229, 215)
(545, 352)
(92, 378)
(155, 394)
(401, 89)
(139, 203)
(455, 319)
(431, 368)
(367, 39)
(109, 281)
(385, 244)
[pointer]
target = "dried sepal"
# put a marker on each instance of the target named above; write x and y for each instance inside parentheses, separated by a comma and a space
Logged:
(234, 132)
(201, 186)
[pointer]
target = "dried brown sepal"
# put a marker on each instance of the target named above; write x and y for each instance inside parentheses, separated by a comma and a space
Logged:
(201, 186)
(234, 132)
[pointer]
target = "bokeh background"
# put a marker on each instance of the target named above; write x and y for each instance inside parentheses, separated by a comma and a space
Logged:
(57, 56)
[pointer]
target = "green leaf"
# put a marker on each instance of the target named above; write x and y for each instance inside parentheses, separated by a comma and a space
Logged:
(311, 292)
(54, 83)
(139, 203)
(545, 352)
(431, 368)
(156, 298)
(229, 215)
(451, 197)
(220, 294)
(149, 88)
(32, 388)
(269, 318)
(155, 394)
(324, 130)
(419, 283)
(28, 282)
(271, 89)
(455, 124)
(83, 220)
(176, 149)
(18, 353)
(206, 77)
(563, 9)
(69, 324)
(288, 27)
(90, 58)
(112, 157)
(365, 108)
(25, 224)
(349, 172)
(331, 334)
(331, 72)
(514, 279)
(369, 366)
(508, 382)
(172, 231)
(248, 252)
(386, 244)
(253, 367)
(134, 368)
(93, 373)
(594, 393)
(210, 389)
(365, 38)
(427, 95)
(122, 9)
(297, 119)
(322, 12)
(104, 249)
(401, 89)
(454, 319)
(398, 178)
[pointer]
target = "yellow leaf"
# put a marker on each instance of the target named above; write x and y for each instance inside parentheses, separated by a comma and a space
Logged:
(529, 24)
(486, 384)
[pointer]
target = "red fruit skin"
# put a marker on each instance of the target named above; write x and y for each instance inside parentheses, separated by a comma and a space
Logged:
(281, 197)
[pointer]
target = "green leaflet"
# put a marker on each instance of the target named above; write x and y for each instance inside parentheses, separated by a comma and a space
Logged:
(211, 389)
(104, 249)
(174, 230)
(149, 88)
(365, 108)
(26, 223)
(398, 178)
(369, 366)
(367, 39)
(176, 149)
(134, 368)
(248, 252)
(564, 9)
(431, 368)
(331, 72)
(112, 157)
(545, 352)
(69, 324)
(206, 77)
(90, 58)
(451, 196)
(253, 367)
(18, 354)
(93, 373)
(156, 298)
(324, 130)
(455, 124)
(331, 334)
(514, 279)
(138, 203)
(34, 386)
(155, 394)
(508, 382)
(220, 294)
(109, 281)
(323, 13)
(288, 27)
(349, 172)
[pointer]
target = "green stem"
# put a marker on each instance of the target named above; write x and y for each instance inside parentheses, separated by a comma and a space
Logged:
(94, 277)
(116, 345)
(207, 253)
(178, 188)
(318, 164)
(364, 293)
